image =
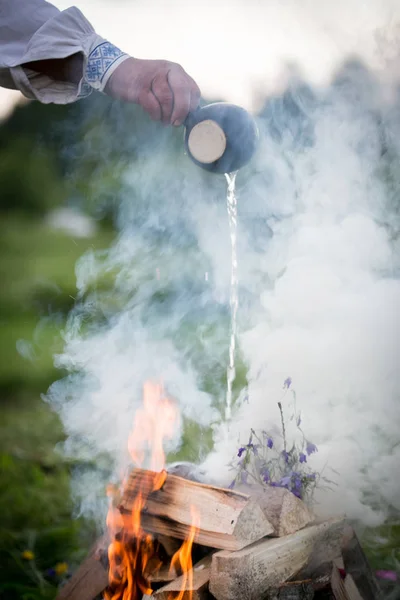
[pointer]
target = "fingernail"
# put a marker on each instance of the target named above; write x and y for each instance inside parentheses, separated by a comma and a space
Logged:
(177, 123)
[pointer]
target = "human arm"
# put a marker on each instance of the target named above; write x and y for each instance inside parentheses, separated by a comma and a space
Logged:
(56, 56)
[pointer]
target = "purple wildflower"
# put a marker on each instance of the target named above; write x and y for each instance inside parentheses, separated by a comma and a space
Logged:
(287, 383)
(265, 474)
(311, 476)
(232, 485)
(254, 449)
(270, 442)
(297, 485)
(240, 451)
(285, 456)
(388, 575)
(311, 448)
(302, 457)
(50, 573)
(285, 481)
(296, 478)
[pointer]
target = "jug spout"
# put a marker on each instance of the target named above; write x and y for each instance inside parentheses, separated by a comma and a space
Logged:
(221, 137)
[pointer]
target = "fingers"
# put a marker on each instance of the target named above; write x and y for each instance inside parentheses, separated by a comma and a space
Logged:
(150, 103)
(164, 94)
(194, 96)
(181, 94)
(162, 88)
(186, 95)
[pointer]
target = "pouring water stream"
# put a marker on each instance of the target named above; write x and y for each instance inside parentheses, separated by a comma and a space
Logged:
(234, 299)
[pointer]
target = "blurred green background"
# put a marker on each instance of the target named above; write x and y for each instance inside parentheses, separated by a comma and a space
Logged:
(39, 539)
(44, 168)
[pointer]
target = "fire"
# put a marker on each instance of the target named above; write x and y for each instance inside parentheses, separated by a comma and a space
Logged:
(183, 558)
(133, 551)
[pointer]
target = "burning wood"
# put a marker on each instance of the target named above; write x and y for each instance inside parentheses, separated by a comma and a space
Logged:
(229, 520)
(195, 588)
(90, 580)
(159, 521)
(162, 574)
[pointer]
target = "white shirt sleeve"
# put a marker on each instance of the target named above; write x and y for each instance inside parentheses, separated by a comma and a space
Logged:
(33, 30)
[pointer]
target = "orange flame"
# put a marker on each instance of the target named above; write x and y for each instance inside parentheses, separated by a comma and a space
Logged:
(183, 559)
(132, 550)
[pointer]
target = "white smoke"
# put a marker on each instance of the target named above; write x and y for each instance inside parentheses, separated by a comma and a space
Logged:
(320, 294)
(330, 316)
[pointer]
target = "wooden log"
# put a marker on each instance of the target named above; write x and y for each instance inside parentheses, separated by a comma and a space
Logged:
(351, 588)
(356, 564)
(228, 519)
(251, 572)
(164, 574)
(90, 579)
(283, 510)
(337, 585)
(170, 544)
(197, 591)
(344, 589)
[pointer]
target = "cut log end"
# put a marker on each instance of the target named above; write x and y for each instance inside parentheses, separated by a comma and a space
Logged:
(284, 511)
(197, 590)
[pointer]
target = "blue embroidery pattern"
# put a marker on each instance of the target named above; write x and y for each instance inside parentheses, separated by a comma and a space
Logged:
(86, 90)
(99, 62)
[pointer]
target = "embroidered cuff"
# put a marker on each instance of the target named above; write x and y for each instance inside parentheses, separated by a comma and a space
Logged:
(101, 64)
(84, 90)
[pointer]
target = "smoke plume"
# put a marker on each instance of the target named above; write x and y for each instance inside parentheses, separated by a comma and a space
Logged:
(318, 255)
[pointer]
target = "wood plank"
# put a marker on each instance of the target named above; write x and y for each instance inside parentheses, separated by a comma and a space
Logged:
(198, 589)
(90, 579)
(351, 588)
(170, 544)
(164, 574)
(337, 585)
(251, 572)
(356, 564)
(228, 519)
(283, 510)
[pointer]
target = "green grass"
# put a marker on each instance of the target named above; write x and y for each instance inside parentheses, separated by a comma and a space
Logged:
(37, 271)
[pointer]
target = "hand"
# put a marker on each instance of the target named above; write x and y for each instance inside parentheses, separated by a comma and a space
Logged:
(162, 88)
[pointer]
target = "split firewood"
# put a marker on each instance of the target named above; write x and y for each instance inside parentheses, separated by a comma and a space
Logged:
(90, 580)
(337, 585)
(228, 519)
(198, 590)
(251, 572)
(283, 510)
(164, 574)
(344, 589)
(170, 544)
(351, 588)
(356, 564)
